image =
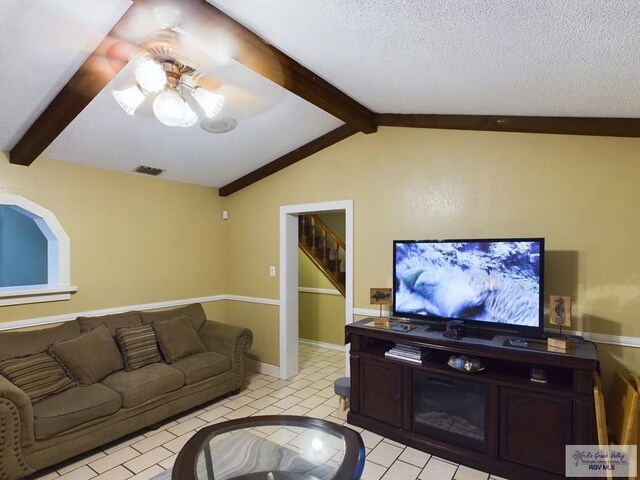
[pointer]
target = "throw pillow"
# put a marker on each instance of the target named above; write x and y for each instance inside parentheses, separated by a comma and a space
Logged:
(38, 375)
(138, 346)
(177, 338)
(91, 356)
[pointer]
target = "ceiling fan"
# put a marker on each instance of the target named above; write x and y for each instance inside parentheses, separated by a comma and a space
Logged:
(167, 72)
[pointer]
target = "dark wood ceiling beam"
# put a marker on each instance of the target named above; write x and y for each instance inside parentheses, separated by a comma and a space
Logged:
(290, 158)
(92, 76)
(263, 58)
(600, 126)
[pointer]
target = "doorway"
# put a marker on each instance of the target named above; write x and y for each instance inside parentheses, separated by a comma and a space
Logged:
(289, 277)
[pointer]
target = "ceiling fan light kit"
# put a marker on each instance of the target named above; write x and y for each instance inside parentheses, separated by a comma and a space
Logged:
(166, 72)
(150, 75)
(210, 102)
(172, 110)
(129, 98)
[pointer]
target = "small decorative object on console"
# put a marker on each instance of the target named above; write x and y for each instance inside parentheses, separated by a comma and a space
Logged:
(465, 364)
(401, 327)
(380, 296)
(454, 329)
(559, 345)
(538, 374)
(560, 315)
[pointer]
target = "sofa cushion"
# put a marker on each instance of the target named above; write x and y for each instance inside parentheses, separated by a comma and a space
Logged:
(38, 375)
(138, 346)
(73, 407)
(144, 383)
(90, 357)
(202, 365)
(19, 343)
(195, 311)
(113, 322)
(177, 338)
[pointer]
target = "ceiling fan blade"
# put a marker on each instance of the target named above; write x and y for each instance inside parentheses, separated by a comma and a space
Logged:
(119, 53)
(240, 101)
(209, 83)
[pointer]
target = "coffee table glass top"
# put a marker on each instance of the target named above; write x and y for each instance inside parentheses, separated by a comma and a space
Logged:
(272, 448)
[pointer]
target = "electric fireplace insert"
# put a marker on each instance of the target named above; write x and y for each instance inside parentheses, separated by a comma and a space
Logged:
(450, 409)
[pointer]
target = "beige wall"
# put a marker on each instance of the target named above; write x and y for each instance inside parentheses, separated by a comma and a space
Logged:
(134, 239)
(579, 192)
(320, 315)
(137, 240)
(264, 321)
(309, 275)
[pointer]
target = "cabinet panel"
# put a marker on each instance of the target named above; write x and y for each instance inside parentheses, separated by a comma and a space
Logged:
(534, 428)
(381, 388)
(584, 422)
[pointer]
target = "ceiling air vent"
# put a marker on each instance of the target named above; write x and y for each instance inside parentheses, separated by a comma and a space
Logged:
(148, 170)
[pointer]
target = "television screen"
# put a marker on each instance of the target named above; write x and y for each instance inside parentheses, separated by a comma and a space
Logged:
(494, 282)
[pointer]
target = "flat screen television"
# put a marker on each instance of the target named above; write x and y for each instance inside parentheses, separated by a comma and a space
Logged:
(493, 285)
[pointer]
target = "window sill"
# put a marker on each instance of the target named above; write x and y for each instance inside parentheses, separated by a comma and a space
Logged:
(34, 294)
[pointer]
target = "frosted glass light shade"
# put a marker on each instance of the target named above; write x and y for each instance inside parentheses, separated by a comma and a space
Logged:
(210, 102)
(170, 109)
(150, 75)
(129, 98)
(189, 117)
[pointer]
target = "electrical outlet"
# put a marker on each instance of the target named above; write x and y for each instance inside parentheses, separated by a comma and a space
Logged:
(272, 271)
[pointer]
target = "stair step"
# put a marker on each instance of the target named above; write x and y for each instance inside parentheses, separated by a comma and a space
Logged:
(312, 241)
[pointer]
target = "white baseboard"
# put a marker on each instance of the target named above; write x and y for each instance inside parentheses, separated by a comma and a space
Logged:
(328, 346)
(264, 368)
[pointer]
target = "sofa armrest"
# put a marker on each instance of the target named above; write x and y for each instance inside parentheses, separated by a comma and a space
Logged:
(229, 340)
(16, 432)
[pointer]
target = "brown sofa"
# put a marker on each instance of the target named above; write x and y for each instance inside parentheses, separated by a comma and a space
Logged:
(206, 361)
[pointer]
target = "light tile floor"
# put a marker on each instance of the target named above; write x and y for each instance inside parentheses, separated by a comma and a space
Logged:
(146, 453)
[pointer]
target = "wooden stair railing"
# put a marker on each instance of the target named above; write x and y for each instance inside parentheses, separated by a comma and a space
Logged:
(323, 247)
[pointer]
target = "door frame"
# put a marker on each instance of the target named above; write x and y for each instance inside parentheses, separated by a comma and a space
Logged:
(289, 277)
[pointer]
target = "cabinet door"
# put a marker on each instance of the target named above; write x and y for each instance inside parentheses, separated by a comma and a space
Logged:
(381, 388)
(534, 429)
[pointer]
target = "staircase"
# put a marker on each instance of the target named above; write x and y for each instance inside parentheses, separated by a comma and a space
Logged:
(324, 248)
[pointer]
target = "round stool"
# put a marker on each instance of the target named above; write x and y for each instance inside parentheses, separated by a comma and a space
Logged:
(342, 387)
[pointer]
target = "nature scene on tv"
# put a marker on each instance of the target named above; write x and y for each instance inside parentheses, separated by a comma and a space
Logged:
(484, 281)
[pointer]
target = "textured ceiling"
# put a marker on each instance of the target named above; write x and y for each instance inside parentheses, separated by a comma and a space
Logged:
(477, 57)
(42, 45)
(497, 57)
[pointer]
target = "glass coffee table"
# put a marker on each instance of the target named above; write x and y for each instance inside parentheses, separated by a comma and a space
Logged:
(273, 447)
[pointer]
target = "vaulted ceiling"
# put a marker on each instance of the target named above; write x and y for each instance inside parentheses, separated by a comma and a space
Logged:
(301, 75)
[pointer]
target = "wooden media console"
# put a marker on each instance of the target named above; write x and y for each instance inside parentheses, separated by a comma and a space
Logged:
(496, 420)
